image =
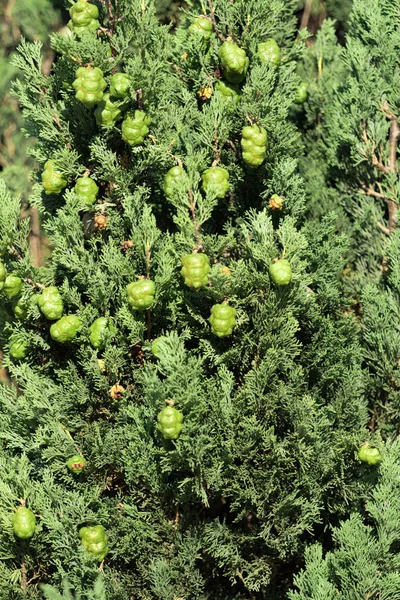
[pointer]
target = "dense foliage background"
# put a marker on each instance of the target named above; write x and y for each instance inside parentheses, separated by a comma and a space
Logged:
(263, 494)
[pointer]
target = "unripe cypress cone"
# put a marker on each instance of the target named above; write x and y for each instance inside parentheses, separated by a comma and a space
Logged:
(99, 331)
(50, 303)
(201, 27)
(269, 52)
(86, 189)
(141, 294)
(95, 541)
(229, 92)
(234, 61)
(3, 275)
(89, 85)
(170, 422)
(18, 350)
(53, 181)
(21, 308)
(135, 127)
(24, 523)
(65, 329)
(215, 180)
(223, 319)
(254, 145)
(369, 455)
(107, 113)
(76, 463)
(83, 17)
(195, 270)
(120, 85)
(155, 346)
(174, 177)
(12, 285)
(281, 272)
(302, 93)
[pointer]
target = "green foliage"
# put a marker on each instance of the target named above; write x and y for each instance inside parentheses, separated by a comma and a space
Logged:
(365, 561)
(271, 386)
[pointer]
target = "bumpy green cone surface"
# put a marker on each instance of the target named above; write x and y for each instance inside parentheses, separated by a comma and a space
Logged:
(120, 85)
(20, 308)
(141, 294)
(370, 455)
(3, 275)
(107, 113)
(24, 523)
(201, 27)
(89, 85)
(83, 17)
(254, 145)
(50, 303)
(175, 176)
(269, 52)
(170, 422)
(223, 319)
(86, 189)
(99, 330)
(234, 61)
(229, 92)
(52, 180)
(281, 272)
(95, 541)
(76, 463)
(65, 329)
(302, 93)
(216, 178)
(18, 350)
(195, 270)
(12, 286)
(135, 127)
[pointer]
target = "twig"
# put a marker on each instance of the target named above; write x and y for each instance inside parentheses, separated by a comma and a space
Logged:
(394, 136)
(369, 191)
(385, 230)
(34, 237)
(15, 252)
(58, 123)
(148, 260)
(371, 149)
(40, 286)
(148, 319)
(215, 147)
(214, 23)
(196, 225)
(24, 576)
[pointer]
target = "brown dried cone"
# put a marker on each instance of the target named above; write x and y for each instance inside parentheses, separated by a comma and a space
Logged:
(117, 391)
(126, 245)
(276, 202)
(100, 222)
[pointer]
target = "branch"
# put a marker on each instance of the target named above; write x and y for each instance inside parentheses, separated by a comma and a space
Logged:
(214, 23)
(373, 159)
(369, 191)
(196, 225)
(306, 15)
(385, 230)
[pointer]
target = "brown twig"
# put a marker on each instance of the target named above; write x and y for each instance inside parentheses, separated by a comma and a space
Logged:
(58, 123)
(369, 191)
(24, 574)
(34, 237)
(370, 153)
(15, 252)
(214, 23)
(394, 136)
(383, 228)
(40, 286)
(196, 225)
